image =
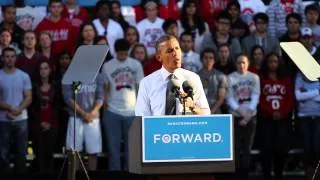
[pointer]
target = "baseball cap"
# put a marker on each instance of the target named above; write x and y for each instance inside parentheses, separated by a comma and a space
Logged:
(306, 31)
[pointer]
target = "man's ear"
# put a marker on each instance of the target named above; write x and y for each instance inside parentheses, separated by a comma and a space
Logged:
(158, 57)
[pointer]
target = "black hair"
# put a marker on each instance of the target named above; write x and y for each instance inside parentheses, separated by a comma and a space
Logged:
(101, 3)
(121, 45)
(312, 7)
(54, 1)
(264, 70)
(5, 7)
(224, 15)
(294, 16)
(254, 48)
(199, 23)
(263, 16)
(187, 34)
(95, 40)
(233, 3)
(208, 50)
(167, 23)
(8, 49)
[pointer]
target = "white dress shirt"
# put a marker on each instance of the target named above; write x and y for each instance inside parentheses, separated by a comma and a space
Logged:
(151, 100)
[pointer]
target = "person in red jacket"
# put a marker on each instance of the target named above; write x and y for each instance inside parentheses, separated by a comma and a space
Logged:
(275, 108)
(62, 32)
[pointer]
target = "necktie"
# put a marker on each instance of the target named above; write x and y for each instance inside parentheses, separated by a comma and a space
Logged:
(170, 98)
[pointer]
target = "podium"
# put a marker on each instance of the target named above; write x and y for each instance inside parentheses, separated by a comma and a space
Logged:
(181, 145)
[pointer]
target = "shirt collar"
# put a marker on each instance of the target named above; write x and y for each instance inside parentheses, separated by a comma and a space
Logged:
(165, 73)
(188, 53)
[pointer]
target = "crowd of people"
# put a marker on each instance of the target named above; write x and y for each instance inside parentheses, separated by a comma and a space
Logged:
(233, 45)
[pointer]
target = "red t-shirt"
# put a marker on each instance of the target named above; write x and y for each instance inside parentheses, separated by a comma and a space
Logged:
(77, 17)
(276, 96)
(29, 65)
(64, 35)
(46, 110)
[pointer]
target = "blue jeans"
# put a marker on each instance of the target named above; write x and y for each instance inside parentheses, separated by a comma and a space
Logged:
(15, 132)
(310, 128)
(115, 126)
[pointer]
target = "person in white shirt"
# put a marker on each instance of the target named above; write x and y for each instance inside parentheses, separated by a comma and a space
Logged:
(190, 59)
(150, 28)
(151, 100)
(106, 26)
(122, 76)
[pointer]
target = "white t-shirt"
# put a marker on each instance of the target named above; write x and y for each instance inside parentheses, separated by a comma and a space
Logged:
(114, 32)
(122, 78)
(149, 33)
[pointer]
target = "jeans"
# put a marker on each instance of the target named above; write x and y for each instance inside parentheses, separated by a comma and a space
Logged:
(15, 132)
(115, 126)
(310, 128)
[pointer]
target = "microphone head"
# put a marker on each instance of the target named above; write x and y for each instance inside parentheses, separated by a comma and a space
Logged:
(188, 86)
(175, 84)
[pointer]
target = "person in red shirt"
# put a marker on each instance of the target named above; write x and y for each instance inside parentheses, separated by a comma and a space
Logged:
(45, 107)
(29, 58)
(74, 14)
(62, 32)
(275, 108)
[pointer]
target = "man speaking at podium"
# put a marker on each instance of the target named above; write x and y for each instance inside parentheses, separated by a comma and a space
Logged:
(164, 91)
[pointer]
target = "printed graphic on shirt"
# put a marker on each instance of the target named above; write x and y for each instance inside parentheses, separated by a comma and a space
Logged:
(59, 35)
(274, 94)
(123, 78)
(151, 36)
(219, 4)
(243, 91)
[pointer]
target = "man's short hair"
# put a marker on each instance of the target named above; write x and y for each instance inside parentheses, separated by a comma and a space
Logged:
(5, 7)
(8, 49)
(224, 15)
(162, 39)
(167, 23)
(54, 1)
(312, 7)
(121, 45)
(102, 3)
(294, 16)
(186, 33)
(262, 16)
(208, 50)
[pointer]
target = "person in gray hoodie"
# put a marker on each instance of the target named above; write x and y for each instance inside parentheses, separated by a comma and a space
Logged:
(222, 35)
(260, 36)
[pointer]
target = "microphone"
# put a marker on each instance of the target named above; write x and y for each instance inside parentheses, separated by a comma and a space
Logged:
(188, 87)
(175, 87)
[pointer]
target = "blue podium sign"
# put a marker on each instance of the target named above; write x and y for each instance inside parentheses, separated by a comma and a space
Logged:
(187, 138)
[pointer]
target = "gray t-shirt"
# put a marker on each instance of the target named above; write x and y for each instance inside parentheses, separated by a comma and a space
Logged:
(89, 95)
(122, 78)
(212, 81)
(12, 88)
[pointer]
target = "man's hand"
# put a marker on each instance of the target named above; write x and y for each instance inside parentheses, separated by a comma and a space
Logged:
(15, 111)
(87, 117)
(45, 126)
